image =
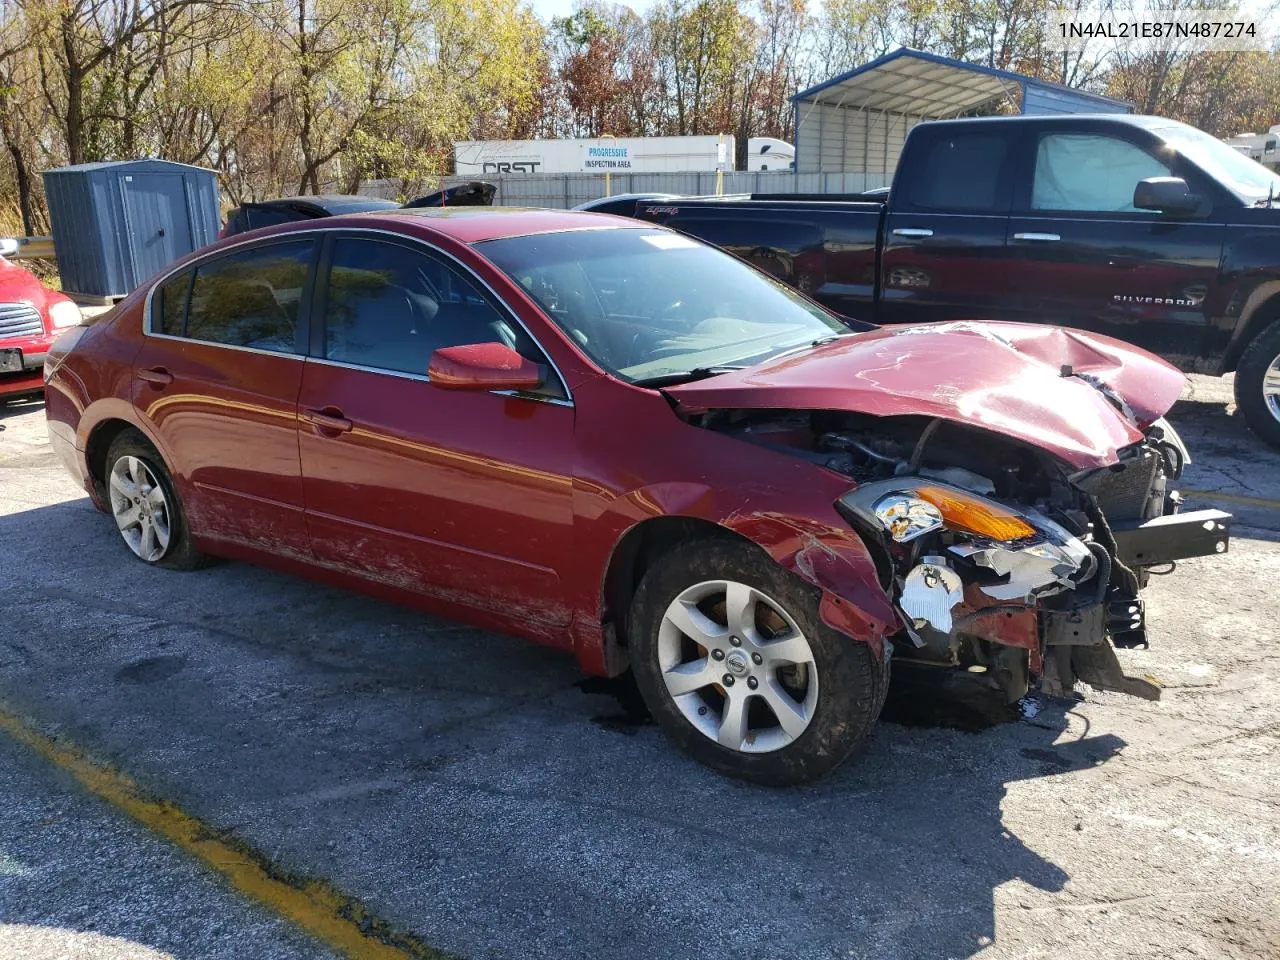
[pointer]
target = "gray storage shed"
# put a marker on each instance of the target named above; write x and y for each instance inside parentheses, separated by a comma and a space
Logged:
(859, 120)
(116, 224)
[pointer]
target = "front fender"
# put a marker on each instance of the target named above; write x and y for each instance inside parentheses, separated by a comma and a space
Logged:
(806, 537)
(836, 561)
(1261, 306)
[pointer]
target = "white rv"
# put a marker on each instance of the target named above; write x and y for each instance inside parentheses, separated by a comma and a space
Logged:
(1262, 147)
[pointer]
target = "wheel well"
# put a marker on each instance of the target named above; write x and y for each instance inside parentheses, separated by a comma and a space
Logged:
(1266, 313)
(95, 450)
(635, 553)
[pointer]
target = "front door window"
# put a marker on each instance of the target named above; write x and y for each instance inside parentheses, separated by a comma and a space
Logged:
(1088, 172)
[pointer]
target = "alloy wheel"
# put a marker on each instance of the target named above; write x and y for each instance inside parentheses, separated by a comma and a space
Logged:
(140, 508)
(737, 666)
(1271, 387)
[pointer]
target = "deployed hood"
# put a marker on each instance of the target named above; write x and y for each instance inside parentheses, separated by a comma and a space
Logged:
(1077, 395)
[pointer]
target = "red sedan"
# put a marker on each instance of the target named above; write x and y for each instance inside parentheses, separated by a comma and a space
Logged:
(612, 439)
(31, 316)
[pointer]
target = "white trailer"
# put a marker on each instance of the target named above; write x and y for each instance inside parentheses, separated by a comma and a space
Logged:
(1262, 147)
(600, 155)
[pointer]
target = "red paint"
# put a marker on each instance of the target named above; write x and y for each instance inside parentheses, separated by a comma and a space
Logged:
(483, 366)
(1011, 628)
(506, 510)
(18, 285)
(1004, 377)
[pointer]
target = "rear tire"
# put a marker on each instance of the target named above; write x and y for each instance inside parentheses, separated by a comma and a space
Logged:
(1258, 385)
(145, 506)
(738, 669)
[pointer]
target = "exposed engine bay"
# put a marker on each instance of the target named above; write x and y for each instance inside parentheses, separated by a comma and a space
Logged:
(999, 559)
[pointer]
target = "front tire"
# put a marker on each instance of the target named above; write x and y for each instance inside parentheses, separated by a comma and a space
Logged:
(1258, 385)
(737, 667)
(145, 505)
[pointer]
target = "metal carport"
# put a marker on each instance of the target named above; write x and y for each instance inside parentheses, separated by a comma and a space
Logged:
(859, 120)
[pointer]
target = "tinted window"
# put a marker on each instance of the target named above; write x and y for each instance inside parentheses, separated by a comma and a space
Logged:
(962, 173)
(251, 299)
(258, 217)
(390, 307)
(169, 305)
(1089, 172)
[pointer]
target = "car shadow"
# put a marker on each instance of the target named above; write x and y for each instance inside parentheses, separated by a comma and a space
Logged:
(456, 783)
(17, 407)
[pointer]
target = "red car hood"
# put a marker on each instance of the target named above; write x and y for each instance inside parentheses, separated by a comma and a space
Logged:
(1004, 377)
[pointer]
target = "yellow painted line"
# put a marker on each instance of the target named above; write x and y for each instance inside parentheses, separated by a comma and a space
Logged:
(1233, 498)
(330, 916)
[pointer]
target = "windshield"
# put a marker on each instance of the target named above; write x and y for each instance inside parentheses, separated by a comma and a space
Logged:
(648, 304)
(1246, 178)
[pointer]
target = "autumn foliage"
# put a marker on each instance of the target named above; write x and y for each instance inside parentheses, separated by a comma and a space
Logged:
(288, 96)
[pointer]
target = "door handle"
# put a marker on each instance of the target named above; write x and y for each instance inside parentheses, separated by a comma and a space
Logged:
(156, 376)
(1037, 237)
(913, 232)
(328, 421)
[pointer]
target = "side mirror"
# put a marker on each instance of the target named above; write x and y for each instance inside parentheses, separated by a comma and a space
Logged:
(1165, 195)
(483, 366)
(9, 247)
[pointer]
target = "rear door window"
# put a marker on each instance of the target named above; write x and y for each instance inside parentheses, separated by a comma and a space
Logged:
(169, 305)
(1090, 172)
(252, 298)
(961, 173)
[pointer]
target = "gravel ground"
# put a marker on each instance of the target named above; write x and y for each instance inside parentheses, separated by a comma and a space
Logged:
(466, 789)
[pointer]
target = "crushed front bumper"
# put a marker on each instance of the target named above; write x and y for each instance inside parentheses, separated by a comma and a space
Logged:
(1076, 640)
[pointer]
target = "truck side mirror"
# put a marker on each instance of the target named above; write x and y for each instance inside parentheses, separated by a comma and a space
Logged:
(1165, 195)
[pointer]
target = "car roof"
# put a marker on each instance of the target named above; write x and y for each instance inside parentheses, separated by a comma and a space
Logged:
(478, 224)
(623, 197)
(331, 204)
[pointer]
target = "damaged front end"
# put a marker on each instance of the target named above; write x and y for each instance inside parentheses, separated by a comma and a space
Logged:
(999, 559)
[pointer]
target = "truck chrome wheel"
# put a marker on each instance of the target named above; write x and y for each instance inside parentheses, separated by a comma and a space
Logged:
(1271, 387)
(139, 506)
(737, 666)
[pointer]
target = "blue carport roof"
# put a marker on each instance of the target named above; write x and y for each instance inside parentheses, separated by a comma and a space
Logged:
(921, 84)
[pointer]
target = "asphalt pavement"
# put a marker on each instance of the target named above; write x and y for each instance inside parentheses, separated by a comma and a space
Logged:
(465, 792)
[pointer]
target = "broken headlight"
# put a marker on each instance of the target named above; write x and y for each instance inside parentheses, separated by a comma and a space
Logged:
(1024, 555)
(906, 516)
(909, 514)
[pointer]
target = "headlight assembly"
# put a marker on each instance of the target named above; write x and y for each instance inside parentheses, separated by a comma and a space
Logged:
(909, 507)
(1031, 555)
(906, 517)
(64, 314)
(961, 510)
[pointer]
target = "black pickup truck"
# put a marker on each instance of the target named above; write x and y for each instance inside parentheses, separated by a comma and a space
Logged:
(1138, 227)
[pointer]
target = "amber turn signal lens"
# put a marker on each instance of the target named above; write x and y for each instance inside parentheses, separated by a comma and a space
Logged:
(975, 514)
